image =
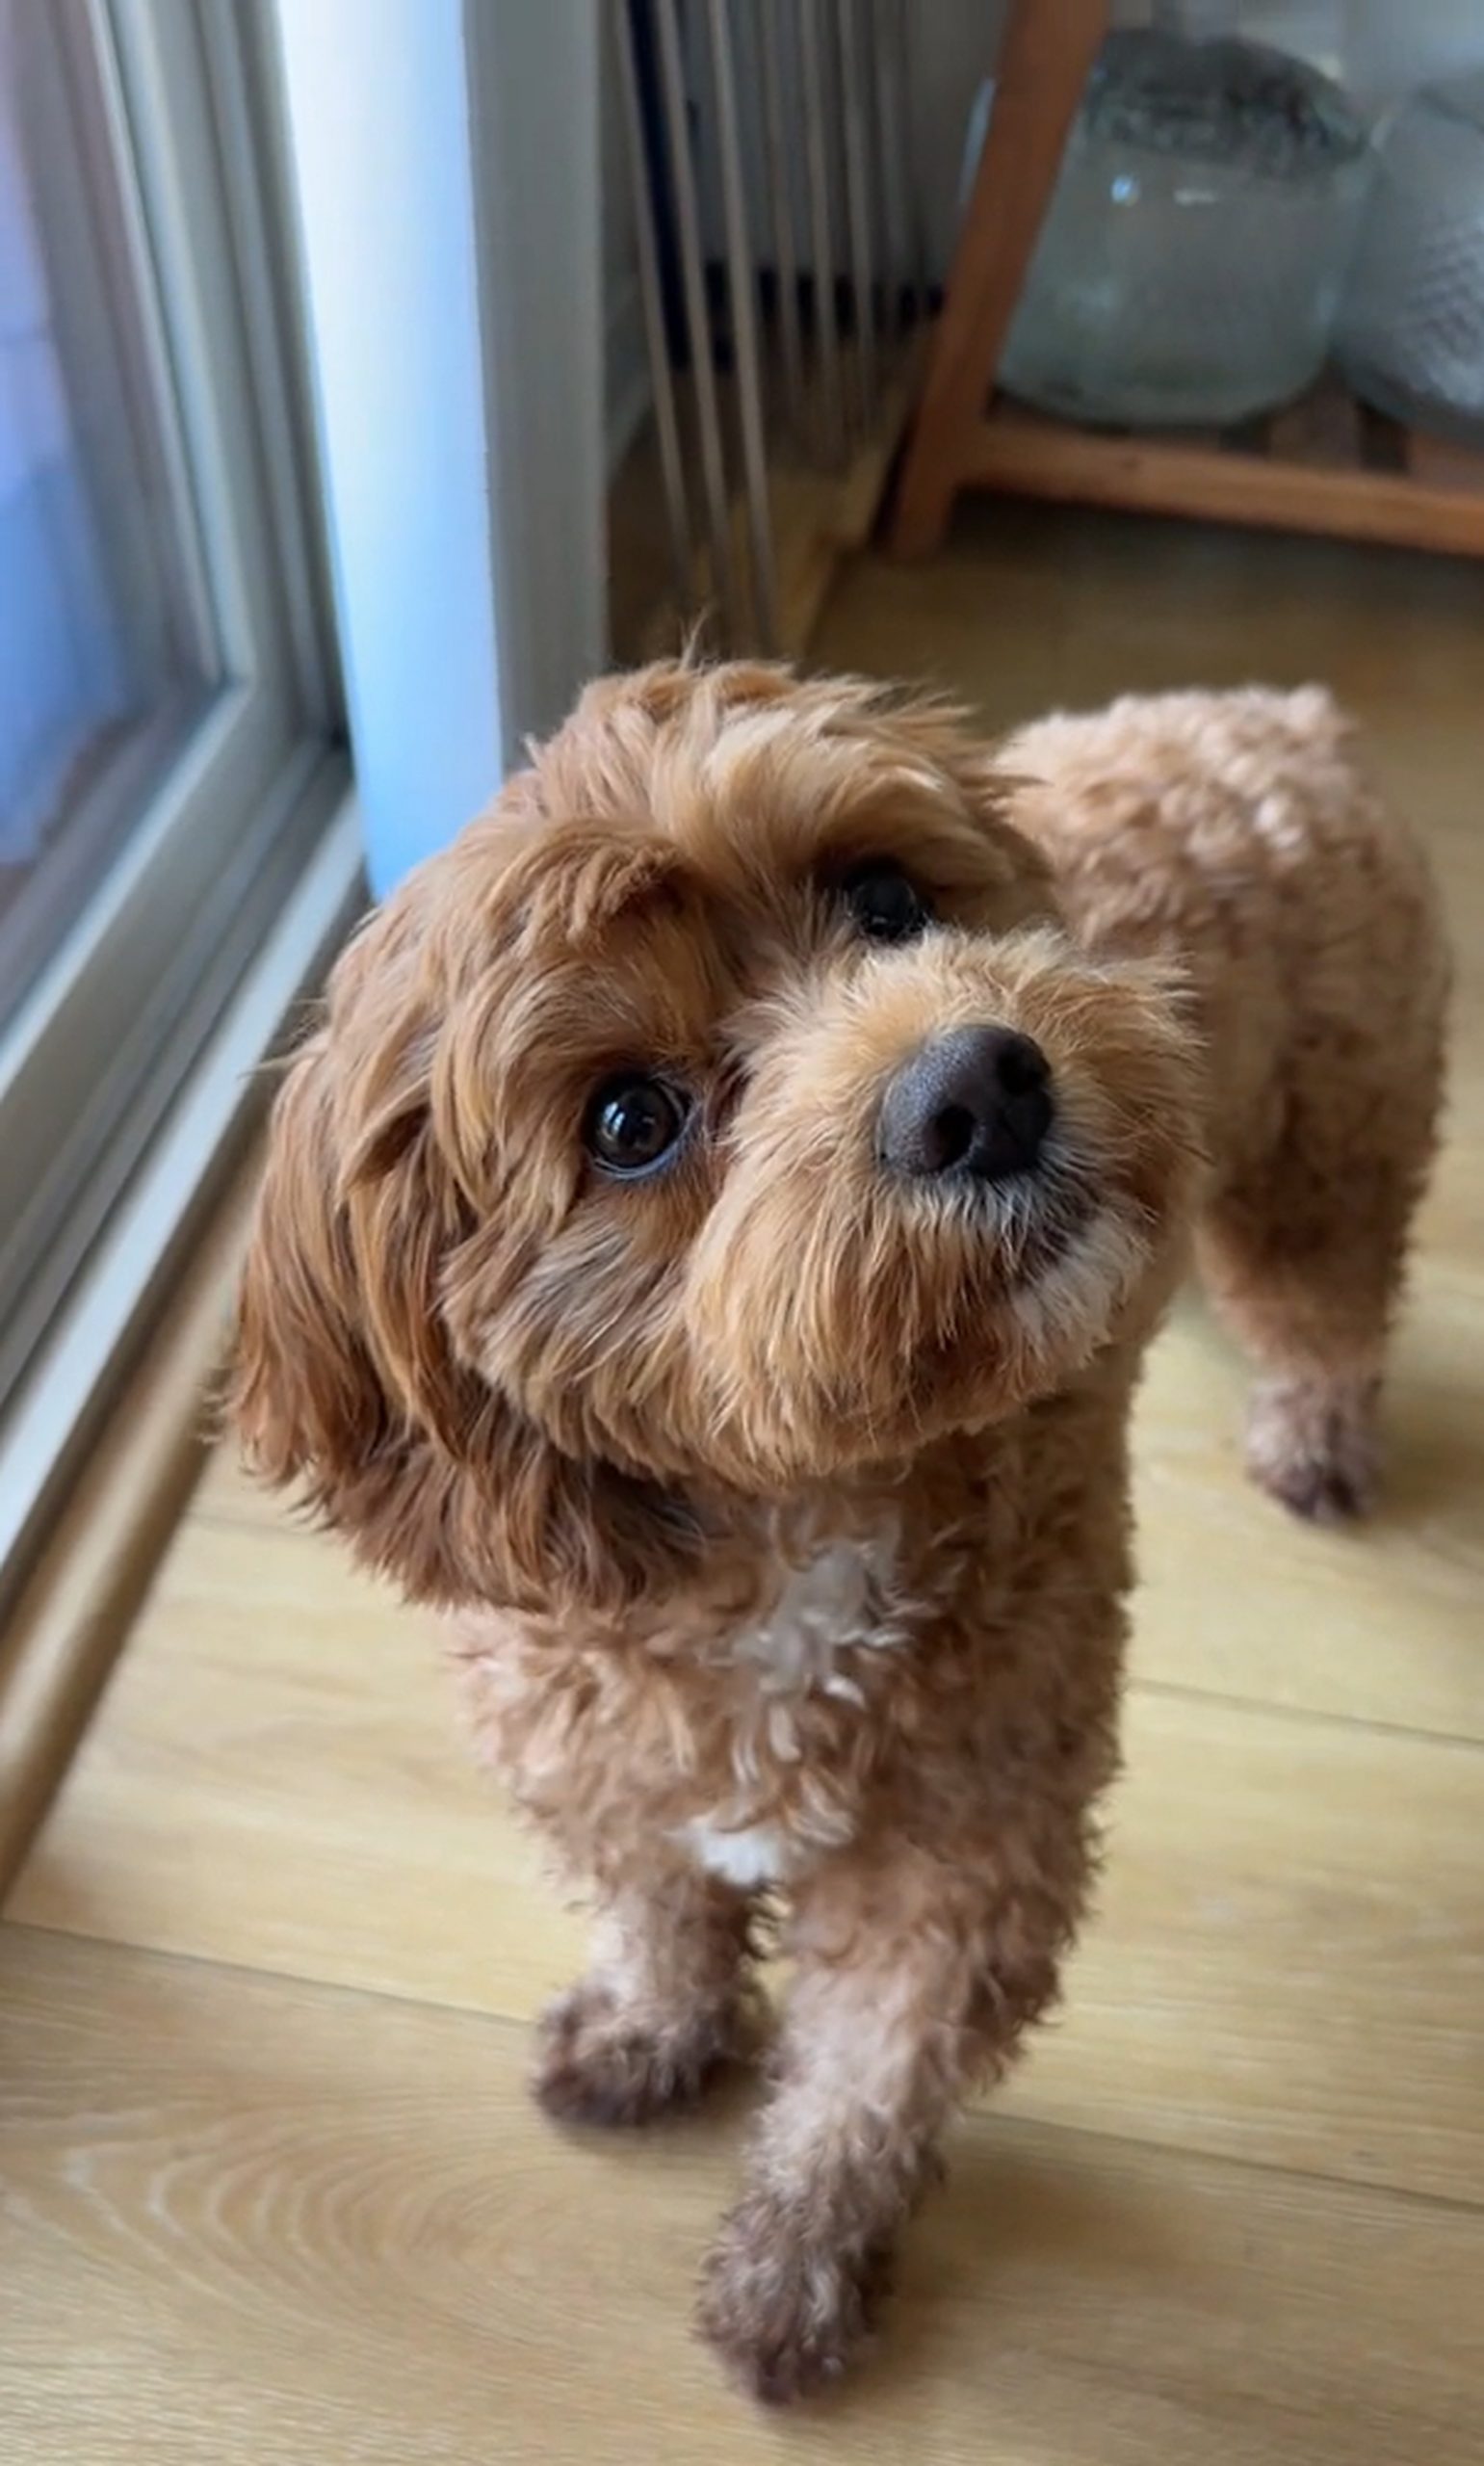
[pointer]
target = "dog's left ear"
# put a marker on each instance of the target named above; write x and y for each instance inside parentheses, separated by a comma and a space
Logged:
(346, 1383)
(990, 795)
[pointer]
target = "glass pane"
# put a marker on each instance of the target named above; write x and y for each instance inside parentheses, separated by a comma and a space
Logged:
(105, 656)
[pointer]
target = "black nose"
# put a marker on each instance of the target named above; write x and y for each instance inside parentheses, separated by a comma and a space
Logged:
(976, 1101)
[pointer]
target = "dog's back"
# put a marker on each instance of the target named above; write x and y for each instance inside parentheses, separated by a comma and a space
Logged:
(1240, 833)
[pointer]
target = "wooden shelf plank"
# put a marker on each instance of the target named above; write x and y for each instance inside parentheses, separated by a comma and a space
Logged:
(1033, 458)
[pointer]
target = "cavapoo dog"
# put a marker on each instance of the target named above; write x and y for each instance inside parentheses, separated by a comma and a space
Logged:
(707, 1250)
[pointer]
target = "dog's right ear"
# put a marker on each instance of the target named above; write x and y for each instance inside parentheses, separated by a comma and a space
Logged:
(346, 1385)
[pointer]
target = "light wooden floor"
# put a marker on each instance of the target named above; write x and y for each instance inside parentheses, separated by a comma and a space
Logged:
(272, 2192)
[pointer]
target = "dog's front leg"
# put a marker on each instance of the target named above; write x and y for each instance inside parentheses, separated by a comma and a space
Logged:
(663, 2005)
(912, 1983)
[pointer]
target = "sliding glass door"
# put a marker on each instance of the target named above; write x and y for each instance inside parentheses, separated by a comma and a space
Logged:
(169, 726)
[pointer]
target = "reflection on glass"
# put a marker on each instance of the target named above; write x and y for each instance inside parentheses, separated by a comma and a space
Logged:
(102, 664)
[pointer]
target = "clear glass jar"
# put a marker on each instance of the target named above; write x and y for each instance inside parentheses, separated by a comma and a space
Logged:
(1190, 264)
(1411, 329)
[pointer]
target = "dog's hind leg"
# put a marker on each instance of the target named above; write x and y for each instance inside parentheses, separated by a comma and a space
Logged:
(1305, 1253)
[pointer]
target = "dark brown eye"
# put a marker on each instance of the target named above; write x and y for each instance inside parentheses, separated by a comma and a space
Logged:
(885, 901)
(635, 1123)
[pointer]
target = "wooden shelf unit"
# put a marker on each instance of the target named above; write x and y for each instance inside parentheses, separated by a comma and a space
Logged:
(1328, 464)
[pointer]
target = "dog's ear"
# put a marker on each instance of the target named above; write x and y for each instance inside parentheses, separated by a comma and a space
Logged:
(988, 792)
(344, 1382)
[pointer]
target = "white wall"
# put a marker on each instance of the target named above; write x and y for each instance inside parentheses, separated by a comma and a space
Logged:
(447, 172)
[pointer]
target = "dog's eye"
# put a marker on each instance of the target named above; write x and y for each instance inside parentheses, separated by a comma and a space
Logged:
(635, 1123)
(885, 901)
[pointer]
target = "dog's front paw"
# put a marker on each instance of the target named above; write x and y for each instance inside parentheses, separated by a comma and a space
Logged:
(600, 2060)
(785, 2306)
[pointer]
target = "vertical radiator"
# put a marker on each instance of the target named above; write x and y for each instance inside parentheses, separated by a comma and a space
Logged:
(780, 270)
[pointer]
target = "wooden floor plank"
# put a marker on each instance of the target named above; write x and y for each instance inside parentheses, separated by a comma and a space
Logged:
(228, 1495)
(313, 2225)
(282, 1779)
(1289, 1964)
(1385, 1625)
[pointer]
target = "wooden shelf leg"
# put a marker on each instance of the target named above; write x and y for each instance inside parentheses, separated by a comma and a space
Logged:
(1048, 50)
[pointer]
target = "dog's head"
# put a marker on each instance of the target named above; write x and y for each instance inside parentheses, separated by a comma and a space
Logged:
(724, 1112)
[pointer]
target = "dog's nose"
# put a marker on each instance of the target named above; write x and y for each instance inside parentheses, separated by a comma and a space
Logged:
(977, 1102)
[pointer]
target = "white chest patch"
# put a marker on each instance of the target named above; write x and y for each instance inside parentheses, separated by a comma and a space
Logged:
(756, 1855)
(827, 1617)
(838, 1604)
